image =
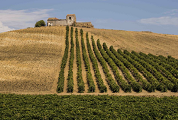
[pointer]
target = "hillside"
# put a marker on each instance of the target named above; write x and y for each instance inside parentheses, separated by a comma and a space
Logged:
(33, 61)
(147, 42)
(30, 59)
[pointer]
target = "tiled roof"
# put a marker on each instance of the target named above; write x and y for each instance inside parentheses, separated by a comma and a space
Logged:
(70, 14)
(52, 19)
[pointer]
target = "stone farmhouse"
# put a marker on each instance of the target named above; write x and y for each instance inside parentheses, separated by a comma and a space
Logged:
(70, 20)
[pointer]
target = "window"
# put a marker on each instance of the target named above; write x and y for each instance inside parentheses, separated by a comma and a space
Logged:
(69, 18)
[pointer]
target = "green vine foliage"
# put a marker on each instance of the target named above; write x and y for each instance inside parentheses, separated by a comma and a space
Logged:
(159, 85)
(61, 77)
(87, 65)
(110, 80)
(135, 85)
(99, 80)
(70, 82)
(55, 107)
(140, 70)
(124, 85)
(81, 86)
(145, 84)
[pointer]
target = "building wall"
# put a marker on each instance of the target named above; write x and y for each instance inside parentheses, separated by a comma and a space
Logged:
(62, 22)
(50, 23)
(70, 19)
(57, 22)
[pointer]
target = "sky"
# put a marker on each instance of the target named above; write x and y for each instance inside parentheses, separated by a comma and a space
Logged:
(159, 16)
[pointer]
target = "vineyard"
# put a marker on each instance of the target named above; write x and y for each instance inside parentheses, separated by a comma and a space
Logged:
(73, 73)
(51, 107)
(71, 60)
(121, 70)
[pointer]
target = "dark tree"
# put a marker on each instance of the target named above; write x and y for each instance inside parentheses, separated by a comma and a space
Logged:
(40, 23)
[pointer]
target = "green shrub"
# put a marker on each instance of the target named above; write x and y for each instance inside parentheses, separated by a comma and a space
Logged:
(40, 23)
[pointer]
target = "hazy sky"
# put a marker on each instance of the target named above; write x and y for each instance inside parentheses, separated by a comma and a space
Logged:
(160, 16)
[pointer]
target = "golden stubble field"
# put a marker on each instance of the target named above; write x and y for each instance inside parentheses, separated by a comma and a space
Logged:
(147, 42)
(30, 58)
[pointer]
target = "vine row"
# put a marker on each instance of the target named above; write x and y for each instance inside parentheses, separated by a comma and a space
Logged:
(168, 66)
(152, 70)
(87, 65)
(80, 82)
(149, 69)
(135, 85)
(111, 82)
(161, 69)
(61, 77)
(70, 83)
(145, 84)
(99, 80)
(124, 85)
(145, 73)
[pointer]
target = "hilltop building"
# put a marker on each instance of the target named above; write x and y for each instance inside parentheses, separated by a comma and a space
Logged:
(70, 20)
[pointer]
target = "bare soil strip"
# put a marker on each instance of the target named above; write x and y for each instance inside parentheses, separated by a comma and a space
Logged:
(143, 76)
(121, 73)
(143, 93)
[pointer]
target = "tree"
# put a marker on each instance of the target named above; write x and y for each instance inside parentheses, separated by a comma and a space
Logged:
(40, 23)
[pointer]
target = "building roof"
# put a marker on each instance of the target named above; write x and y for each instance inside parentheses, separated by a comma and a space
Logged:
(70, 14)
(52, 19)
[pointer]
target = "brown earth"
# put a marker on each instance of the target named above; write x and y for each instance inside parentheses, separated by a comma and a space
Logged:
(30, 59)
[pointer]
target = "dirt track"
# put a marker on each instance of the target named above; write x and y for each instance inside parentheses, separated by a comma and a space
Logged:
(144, 93)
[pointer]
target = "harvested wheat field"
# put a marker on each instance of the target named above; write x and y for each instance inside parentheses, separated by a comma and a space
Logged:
(30, 59)
(67, 60)
(147, 42)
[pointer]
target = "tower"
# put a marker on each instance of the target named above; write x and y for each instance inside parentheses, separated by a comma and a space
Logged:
(70, 18)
